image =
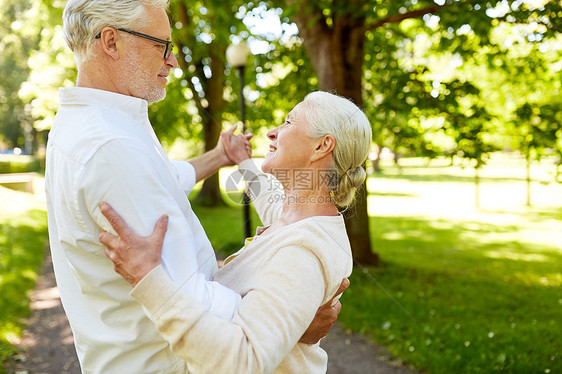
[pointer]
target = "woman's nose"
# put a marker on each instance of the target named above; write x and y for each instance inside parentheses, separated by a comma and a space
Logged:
(272, 134)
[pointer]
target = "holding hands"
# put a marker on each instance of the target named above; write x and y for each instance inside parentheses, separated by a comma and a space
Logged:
(230, 150)
(236, 148)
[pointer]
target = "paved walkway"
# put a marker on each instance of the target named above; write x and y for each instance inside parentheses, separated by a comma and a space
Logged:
(47, 346)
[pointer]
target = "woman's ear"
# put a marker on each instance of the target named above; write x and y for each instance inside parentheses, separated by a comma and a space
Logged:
(109, 38)
(324, 147)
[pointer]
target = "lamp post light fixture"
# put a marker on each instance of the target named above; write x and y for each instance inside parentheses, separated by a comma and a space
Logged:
(237, 56)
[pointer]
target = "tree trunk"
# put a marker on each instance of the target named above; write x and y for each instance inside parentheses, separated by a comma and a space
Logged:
(377, 161)
(210, 191)
(336, 54)
(397, 161)
(477, 186)
(213, 86)
(528, 161)
(210, 194)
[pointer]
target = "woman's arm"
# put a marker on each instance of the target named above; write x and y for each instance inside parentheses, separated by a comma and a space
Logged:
(265, 191)
(142, 186)
(268, 324)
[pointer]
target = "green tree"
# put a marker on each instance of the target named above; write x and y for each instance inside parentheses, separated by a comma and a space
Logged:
(344, 39)
(521, 88)
(541, 128)
(52, 65)
(206, 93)
(37, 63)
(16, 42)
(201, 55)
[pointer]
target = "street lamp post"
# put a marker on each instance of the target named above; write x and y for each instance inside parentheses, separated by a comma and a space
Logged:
(237, 56)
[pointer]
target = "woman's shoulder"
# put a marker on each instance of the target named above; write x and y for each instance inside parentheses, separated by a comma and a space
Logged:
(325, 228)
(326, 237)
(312, 230)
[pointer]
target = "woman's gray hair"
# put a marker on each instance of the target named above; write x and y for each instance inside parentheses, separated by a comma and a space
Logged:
(84, 19)
(329, 114)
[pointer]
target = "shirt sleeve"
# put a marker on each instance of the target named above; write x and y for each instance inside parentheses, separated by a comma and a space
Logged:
(141, 188)
(185, 172)
(268, 324)
(264, 190)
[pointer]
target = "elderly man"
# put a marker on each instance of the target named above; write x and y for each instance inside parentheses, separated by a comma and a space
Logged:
(102, 148)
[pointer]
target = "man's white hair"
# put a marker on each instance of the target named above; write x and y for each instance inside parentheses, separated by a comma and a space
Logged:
(84, 19)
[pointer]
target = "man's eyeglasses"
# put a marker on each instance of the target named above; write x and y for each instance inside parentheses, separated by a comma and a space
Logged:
(169, 45)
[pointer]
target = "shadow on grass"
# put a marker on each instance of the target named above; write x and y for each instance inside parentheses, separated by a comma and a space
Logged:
(463, 247)
(456, 323)
(535, 215)
(447, 178)
(454, 297)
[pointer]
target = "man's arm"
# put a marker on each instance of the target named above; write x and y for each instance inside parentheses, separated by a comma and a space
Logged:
(238, 149)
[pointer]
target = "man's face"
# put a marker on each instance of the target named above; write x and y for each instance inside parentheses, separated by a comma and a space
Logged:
(144, 69)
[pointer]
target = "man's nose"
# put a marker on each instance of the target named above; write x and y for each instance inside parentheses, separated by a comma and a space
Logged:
(172, 61)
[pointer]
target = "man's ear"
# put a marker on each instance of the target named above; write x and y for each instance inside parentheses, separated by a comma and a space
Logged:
(324, 147)
(109, 38)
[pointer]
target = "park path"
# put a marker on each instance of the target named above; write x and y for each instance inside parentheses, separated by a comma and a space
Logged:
(47, 345)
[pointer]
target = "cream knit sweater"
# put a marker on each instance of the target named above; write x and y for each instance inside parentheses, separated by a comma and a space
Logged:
(283, 276)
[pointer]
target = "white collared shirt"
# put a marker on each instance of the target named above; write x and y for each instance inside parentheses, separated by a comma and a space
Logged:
(102, 148)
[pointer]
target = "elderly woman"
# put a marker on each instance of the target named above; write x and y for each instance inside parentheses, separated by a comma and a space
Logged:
(293, 264)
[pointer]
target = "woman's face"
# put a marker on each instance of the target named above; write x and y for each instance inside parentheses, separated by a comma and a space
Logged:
(290, 146)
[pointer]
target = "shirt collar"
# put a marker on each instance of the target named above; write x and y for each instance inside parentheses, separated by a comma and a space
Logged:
(131, 106)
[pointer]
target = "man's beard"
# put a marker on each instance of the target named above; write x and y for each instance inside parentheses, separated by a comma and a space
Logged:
(142, 85)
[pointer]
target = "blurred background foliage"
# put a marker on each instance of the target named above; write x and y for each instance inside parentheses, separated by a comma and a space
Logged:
(461, 78)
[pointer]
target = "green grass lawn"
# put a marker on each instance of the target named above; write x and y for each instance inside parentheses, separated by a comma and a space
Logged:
(463, 289)
(23, 241)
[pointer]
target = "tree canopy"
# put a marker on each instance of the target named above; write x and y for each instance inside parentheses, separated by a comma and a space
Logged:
(460, 78)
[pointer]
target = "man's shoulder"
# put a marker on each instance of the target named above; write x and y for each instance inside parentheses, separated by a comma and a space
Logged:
(87, 120)
(82, 130)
